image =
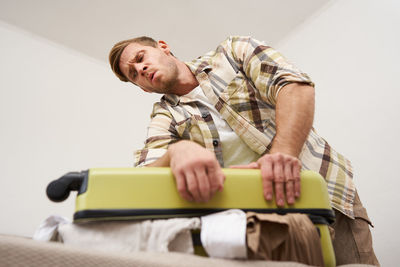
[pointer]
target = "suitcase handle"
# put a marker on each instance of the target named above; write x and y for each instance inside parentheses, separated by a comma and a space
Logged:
(58, 190)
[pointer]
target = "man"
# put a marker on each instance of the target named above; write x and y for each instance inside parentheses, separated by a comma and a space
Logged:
(245, 106)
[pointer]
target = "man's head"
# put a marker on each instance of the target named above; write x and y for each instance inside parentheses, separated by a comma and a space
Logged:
(116, 51)
(144, 62)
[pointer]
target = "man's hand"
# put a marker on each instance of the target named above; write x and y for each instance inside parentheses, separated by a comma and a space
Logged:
(197, 172)
(280, 173)
(283, 172)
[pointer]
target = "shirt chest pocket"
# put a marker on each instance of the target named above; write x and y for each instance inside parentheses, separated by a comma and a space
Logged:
(235, 89)
(242, 96)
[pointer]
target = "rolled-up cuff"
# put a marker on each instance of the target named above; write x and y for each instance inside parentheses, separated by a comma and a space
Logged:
(146, 156)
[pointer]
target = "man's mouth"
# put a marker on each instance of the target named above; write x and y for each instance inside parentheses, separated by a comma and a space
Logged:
(151, 76)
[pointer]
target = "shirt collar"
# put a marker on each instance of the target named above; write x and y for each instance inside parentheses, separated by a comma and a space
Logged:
(196, 67)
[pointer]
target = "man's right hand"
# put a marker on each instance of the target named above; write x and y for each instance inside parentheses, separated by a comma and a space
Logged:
(197, 172)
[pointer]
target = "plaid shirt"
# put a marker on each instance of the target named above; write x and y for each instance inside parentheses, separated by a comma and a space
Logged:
(242, 79)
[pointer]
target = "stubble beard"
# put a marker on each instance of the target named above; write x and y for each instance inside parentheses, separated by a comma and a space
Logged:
(168, 85)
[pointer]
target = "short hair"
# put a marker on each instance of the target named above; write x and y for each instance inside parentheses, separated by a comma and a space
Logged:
(116, 51)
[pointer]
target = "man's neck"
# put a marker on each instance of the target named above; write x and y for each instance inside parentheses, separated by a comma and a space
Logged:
(186, 80)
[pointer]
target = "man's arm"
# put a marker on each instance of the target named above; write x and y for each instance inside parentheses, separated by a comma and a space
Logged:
(291, 92)
(281, 167)
(197, 172)
(294, 118)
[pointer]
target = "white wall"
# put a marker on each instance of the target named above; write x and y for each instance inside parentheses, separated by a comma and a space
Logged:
(351, 50)
(60, 111)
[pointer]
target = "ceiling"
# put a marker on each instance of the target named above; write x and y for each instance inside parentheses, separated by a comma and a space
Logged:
(92, 27)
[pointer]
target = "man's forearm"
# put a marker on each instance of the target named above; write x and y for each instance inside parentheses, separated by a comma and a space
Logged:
(165, 160)
(294, 118)
(161, 162)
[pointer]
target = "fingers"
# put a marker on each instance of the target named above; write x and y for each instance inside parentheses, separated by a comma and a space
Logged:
(281, 174)
(296, 176)
(278, 166)
(182, 187)
(267, 177)
(203, 185)
(289, 185)
(197, 172)
(194, 185)
(216, 177)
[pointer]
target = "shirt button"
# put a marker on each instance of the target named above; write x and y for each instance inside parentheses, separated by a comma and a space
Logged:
(215, 142)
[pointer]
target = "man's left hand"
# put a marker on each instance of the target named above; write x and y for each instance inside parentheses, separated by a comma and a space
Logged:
(280, 173)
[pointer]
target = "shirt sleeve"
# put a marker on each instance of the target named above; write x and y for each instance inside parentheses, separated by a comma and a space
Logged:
(160, 134)
(267, 68)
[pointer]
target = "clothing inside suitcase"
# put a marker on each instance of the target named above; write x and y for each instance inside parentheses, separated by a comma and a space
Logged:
(150, 193)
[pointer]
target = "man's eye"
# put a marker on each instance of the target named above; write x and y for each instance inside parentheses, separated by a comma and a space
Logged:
(140, 58)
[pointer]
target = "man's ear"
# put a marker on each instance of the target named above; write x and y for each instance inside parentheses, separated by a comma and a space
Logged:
(164, 46)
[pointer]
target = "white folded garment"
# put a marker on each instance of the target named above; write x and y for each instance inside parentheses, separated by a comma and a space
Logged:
(223, 234)
(47, 230)
(157, 236)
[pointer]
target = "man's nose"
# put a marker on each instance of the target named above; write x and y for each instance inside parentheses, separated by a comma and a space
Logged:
(142, 69)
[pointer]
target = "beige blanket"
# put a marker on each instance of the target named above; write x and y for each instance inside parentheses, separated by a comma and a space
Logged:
(17, 251)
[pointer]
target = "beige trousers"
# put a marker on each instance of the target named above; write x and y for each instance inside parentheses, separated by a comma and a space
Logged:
(352, 239)
(290, 237)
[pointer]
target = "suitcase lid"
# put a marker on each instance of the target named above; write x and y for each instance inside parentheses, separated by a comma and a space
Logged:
(150, 193)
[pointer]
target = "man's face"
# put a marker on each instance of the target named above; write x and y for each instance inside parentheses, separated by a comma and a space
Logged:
(151, 68)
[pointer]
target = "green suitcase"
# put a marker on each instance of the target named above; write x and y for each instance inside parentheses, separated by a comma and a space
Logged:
(151, 193)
